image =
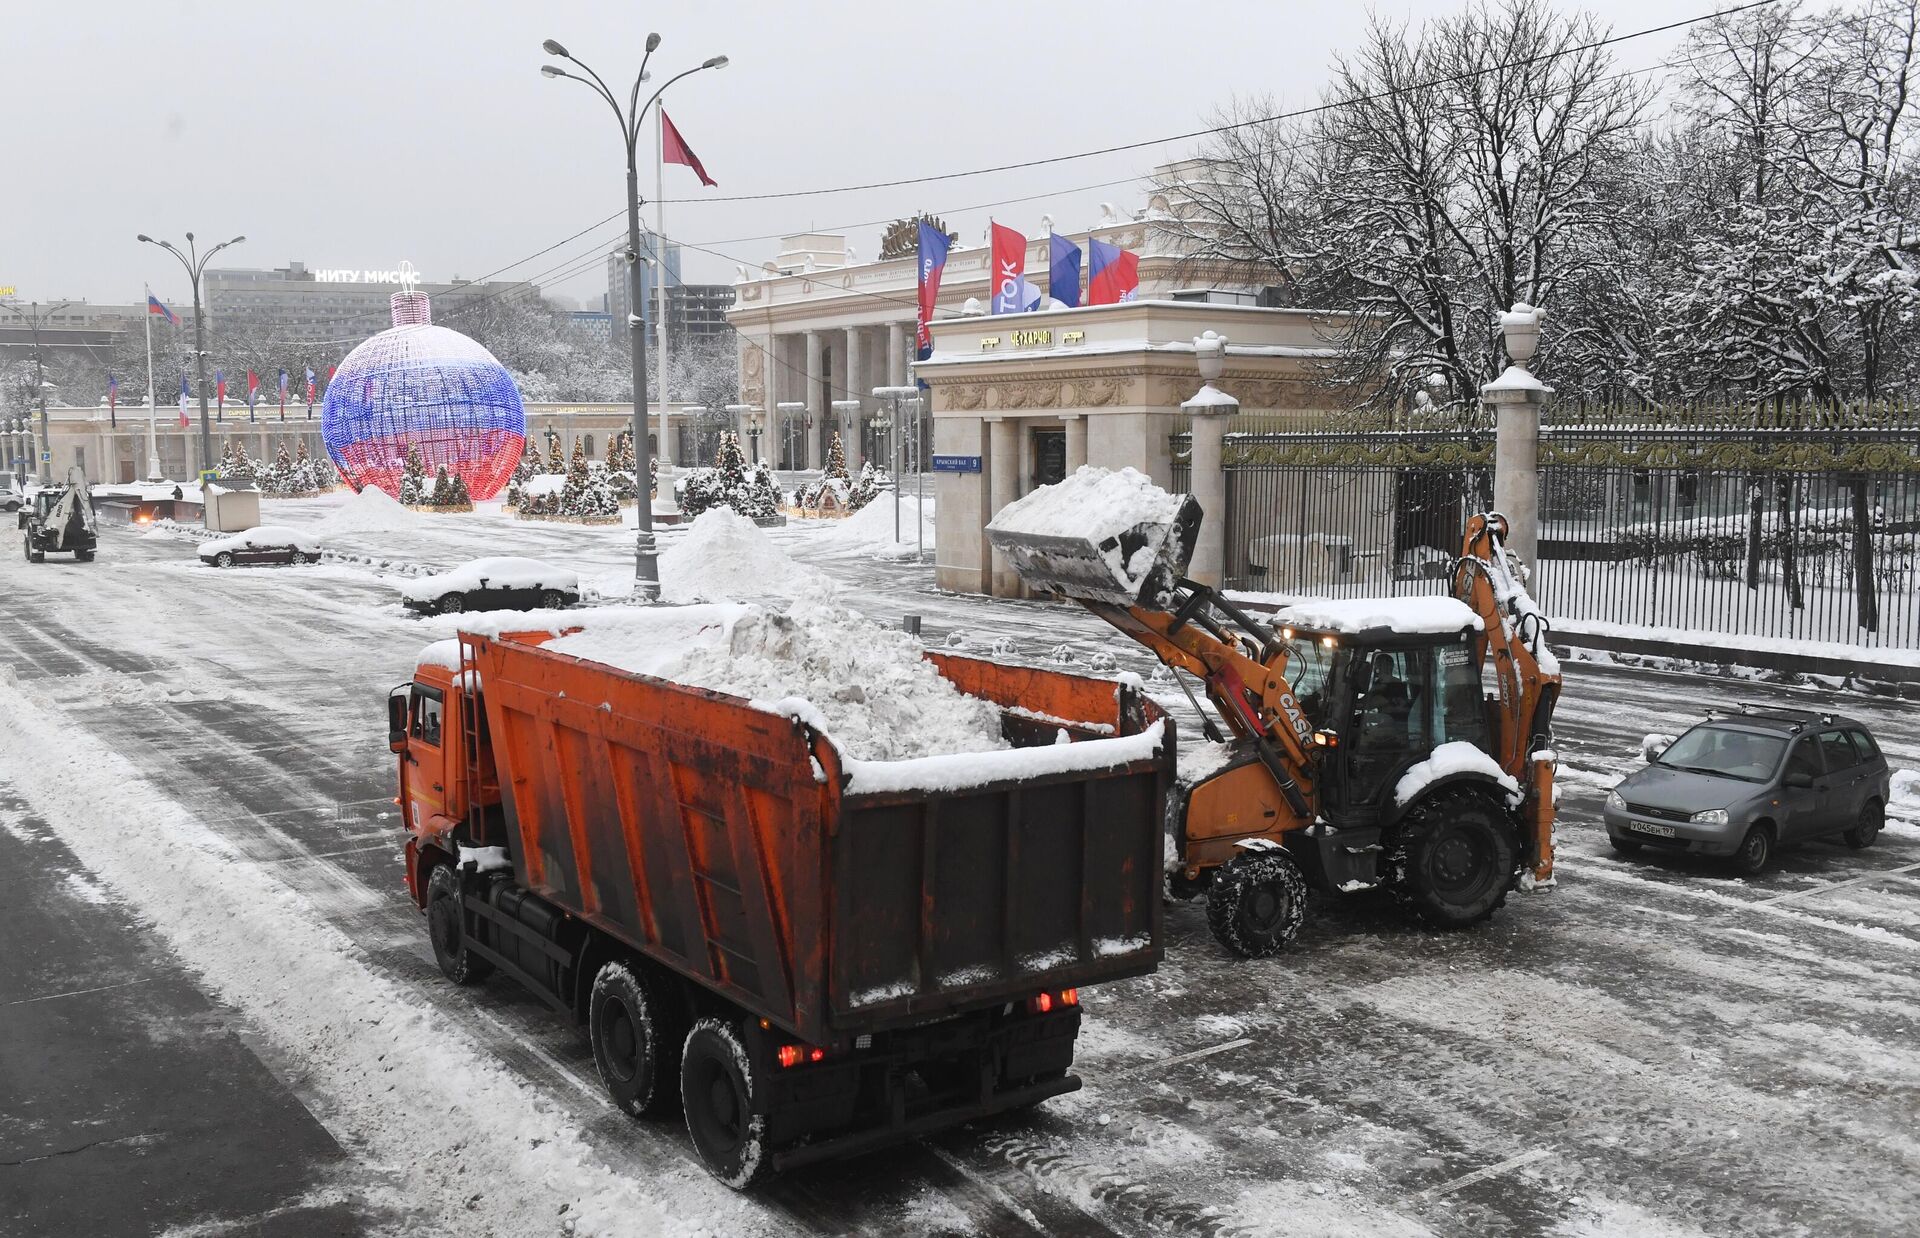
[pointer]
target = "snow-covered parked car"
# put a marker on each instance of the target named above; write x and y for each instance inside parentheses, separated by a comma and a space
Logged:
(505, 583)
(270, 543)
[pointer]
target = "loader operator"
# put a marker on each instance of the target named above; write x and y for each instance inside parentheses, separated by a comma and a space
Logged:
(1385, 710)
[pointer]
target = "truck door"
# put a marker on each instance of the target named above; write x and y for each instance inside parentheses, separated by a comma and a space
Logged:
(426, 773)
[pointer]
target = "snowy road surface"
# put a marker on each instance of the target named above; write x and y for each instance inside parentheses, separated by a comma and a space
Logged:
(220, 1011)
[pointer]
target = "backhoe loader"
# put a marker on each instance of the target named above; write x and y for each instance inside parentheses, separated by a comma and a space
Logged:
(1399, 742)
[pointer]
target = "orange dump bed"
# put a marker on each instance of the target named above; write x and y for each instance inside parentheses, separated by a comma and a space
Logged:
(736, 847)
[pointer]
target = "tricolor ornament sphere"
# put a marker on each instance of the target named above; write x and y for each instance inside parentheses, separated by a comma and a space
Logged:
(418, 385)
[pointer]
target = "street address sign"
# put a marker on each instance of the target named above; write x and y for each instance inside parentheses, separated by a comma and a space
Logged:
(956, 464)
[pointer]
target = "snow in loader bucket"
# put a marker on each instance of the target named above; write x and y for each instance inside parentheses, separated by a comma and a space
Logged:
(1101, 535)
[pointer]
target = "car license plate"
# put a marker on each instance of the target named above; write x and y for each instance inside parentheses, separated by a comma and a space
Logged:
(1648, 827)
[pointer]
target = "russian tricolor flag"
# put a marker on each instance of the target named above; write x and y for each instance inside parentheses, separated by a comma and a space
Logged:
(154, 307)
(1113, 274)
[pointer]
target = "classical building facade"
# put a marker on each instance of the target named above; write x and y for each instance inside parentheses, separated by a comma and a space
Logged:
(1021, 400)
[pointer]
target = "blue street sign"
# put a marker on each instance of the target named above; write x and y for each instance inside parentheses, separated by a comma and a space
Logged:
(956, 464)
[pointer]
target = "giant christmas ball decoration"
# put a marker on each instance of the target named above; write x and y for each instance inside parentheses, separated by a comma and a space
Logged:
(418, 385)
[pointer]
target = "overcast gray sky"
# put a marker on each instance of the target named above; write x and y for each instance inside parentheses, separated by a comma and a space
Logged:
(346, 133)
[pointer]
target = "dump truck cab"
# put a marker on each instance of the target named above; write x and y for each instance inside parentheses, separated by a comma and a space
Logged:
(449, 793)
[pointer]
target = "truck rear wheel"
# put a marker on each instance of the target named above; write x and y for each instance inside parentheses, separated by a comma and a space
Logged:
(1256, 902)
(631, 1041)
(1452, 858)
(446, 926)
(83, 556)
(717, 1088)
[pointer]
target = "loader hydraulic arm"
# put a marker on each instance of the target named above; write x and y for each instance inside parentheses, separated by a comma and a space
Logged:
(1244, 676)
(1514, 639)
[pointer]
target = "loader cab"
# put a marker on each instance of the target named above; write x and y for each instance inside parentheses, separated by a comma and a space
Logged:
(1382, 700)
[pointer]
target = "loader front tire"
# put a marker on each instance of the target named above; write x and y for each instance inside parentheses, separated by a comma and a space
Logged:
(1452, 858)
(631, 1041)
(718, 1088)
(1256, 903)
(446, 926)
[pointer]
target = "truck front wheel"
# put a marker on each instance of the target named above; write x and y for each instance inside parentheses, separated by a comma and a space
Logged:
(717, 1088)
(630, 1041)
(1256, 903)
(446, 925)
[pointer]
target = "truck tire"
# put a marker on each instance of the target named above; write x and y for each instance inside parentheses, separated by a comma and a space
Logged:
(633, 1049)
(83, 556)
(1451, 858)
(1256, 902)
(446, 926)
(717, 1089)
(33, 556)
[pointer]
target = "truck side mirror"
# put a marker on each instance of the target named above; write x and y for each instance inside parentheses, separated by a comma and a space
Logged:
(397, 718)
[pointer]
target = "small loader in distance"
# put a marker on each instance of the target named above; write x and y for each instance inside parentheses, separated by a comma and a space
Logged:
(60, 519)
(1396, 742)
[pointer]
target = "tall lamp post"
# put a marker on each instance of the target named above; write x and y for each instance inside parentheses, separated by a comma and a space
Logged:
(646, 570)
(34, 319)
(196, 265)
(749, 418)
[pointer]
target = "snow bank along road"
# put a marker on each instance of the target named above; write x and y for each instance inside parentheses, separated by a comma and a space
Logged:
(1650, 1048)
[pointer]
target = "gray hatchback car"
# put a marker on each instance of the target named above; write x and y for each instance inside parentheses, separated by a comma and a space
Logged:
(1746, 784)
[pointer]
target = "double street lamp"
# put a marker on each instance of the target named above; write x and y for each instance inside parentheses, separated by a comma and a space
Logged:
(196, 265)
(646, 569)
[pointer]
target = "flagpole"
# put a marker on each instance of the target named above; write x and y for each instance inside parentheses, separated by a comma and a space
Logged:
(660, 267)
(153, 402)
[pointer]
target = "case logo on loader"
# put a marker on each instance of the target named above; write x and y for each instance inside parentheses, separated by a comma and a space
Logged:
(1295, 718)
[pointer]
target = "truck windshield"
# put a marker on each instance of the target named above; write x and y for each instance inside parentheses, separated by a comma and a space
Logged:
(1725, 753)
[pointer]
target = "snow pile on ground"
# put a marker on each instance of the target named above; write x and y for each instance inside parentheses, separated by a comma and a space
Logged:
(866, 686)
(373, 510)
(723, 555)
(871, 528)
(1458, 757)
(500, 572)
(1653, 743)
(1906, 787)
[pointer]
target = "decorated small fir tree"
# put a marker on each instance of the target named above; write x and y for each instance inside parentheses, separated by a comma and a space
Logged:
(413, 481)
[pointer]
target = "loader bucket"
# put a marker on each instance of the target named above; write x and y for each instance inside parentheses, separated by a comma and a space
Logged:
(1137, 566)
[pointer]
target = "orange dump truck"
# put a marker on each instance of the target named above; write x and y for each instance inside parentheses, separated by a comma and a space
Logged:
(811, 955)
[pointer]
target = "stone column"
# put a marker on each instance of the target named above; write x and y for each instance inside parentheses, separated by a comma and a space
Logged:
(816, 407)
(857, 388)
(781, 428)
(1003, 487)
(896, 354)
(1076, 441)
(1208, 484)
(1515, 399)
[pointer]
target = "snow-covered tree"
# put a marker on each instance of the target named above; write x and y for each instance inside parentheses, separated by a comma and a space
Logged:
(277, 478)
(413, 480)
(243, 468)
(301, 479)
(866, 489)
(556, 465)
(832, 491)
(527, 468)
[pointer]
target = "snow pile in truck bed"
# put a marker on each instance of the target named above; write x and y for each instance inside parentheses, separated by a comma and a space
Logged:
(1093, 503)
(724, 555)
(373, 510)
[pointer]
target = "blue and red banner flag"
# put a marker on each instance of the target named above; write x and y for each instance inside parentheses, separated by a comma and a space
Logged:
(1063, 269)
(1012, 294)
(113, 400)
(1114, 274)
(310, 387)
(184, 423)
(674, 149)
(283, 395)
(154, 307)
(220, 392)
(933, 263)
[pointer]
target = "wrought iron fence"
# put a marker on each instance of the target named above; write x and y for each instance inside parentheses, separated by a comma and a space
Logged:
(1790, 522)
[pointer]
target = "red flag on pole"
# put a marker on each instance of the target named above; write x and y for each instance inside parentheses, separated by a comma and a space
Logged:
(674, 149)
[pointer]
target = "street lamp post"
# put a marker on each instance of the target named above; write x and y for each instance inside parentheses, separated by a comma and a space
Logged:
(195, 264)
(646, 570)
(34, 320)
(749, 418)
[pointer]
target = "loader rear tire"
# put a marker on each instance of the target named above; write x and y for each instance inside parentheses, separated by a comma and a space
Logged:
(718, 1089)
(1256, 903)
(446, 926)
(83, 556)
(634, 1050)
(1452, 858)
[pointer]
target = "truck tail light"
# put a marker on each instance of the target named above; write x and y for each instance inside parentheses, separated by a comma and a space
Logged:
(1069, 997)
(1041, 1003)
(792, 1055)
